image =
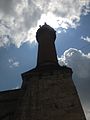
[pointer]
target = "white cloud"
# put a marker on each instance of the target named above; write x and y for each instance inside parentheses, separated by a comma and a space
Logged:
(13, 63)
(85, 38)
(18, 19)
(78, 61)
(16, 64)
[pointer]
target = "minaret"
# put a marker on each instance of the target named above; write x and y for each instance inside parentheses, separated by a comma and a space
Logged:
(49, 91)
(46, 36)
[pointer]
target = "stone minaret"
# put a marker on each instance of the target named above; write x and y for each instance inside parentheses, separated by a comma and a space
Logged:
(46, 48)
(49, 91)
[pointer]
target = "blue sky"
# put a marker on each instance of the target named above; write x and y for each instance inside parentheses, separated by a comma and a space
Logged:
(19, 21)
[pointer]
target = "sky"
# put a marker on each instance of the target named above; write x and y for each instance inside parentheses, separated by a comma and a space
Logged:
(19, 21)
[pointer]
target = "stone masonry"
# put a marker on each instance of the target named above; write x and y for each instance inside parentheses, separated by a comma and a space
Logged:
(50, 95)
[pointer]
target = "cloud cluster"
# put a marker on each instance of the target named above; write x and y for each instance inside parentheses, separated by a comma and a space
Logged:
(13, 63)
(85, 38)
(78, 61)
(19, 20)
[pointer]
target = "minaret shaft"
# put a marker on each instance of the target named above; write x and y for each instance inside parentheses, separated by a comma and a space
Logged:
(46, 45)
(46, 54)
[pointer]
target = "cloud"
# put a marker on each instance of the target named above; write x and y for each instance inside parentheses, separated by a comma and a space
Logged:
(78, 61)
(85, 38)
(19, 20)
(13, 63)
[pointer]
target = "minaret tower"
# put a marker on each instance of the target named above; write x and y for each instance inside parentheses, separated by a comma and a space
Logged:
(46, 45)
(49, 91)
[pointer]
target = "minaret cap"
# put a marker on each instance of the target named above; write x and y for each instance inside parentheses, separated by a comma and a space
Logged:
(45, 31)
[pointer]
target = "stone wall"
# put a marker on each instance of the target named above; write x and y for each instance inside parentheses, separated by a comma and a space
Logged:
(9, 103)
(51, 95)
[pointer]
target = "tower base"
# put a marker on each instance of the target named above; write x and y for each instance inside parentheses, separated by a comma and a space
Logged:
(50, 94)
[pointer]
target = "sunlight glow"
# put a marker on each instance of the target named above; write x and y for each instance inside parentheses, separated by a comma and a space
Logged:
(50, 19)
